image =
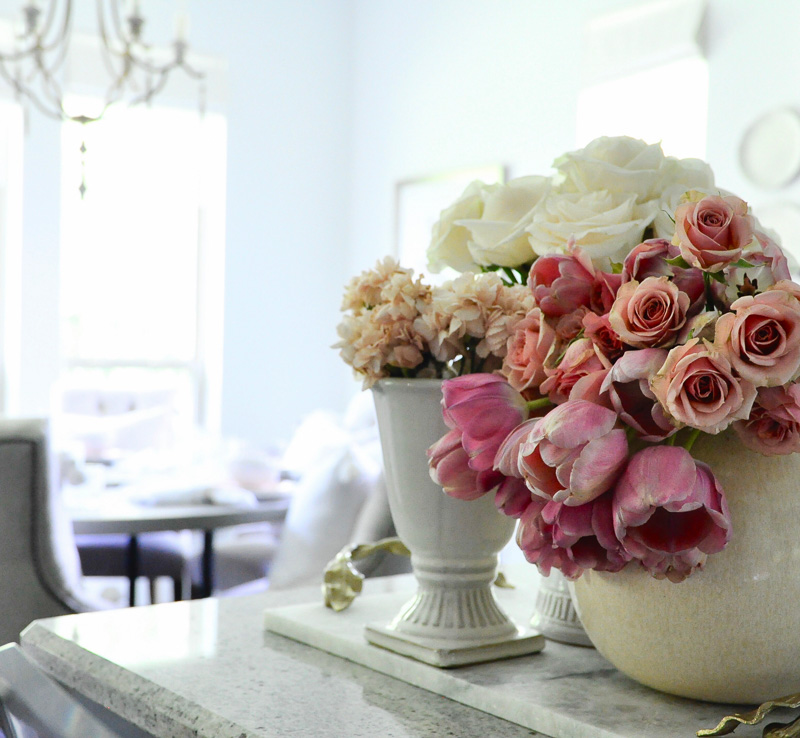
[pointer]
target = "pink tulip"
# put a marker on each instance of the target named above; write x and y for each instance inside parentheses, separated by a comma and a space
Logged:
(773, 428)
(670, 512)
(535, 539)
(587, 534)
(712, 232)
(448, 464)
(562, 282)
(628, 387)
(485, 408)
(762, 338)
(604, 291)
(573, 454)
(512, 497)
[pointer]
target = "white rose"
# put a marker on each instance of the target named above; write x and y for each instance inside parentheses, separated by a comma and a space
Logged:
(680, 176)
(604, 225)
(448, 245)
(621, 165)
(498, 236)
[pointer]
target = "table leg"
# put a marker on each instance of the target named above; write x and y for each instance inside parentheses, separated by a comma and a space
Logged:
(208, 564)
(133, 567)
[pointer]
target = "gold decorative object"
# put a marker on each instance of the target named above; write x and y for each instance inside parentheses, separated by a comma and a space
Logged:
(342, 581)
(773, 730)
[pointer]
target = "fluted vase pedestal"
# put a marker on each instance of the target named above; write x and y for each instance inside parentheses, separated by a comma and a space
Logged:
(454, 618)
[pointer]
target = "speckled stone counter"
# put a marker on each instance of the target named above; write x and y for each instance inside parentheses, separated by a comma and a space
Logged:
(208, 668)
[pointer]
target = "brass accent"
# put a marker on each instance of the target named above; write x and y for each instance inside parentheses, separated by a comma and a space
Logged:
(773, 730)
(342, 582)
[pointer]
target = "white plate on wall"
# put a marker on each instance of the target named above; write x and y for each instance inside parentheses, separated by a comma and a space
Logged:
(770, 150)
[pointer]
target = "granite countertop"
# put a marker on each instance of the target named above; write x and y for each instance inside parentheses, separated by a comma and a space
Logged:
(209, 668)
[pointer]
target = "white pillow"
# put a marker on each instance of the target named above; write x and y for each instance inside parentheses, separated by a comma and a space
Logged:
(321, 519)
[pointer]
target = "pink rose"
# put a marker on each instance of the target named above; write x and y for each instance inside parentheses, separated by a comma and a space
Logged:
(580, 358)
(573, 454)
(711, 233)
(648, 259)
(527, 349)
(670, 512)
(650, 313)
(569, 325)
(762, 337)
(697, 387)
(448, 464)
(485, 408)
(597, 328)
(562, 282)
(628, 387)
(773, 428)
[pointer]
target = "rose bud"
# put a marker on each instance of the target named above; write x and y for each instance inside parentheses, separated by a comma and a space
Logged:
(697, 387)
(562, 282)
(773, 428)
(573, 454)
(580, 358)
(670, 512)
(650, 313)
(628, 387)
(712, 231)
(485, 408)
(762, 337)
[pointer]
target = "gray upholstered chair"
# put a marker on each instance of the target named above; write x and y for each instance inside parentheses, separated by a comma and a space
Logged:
(40, 573)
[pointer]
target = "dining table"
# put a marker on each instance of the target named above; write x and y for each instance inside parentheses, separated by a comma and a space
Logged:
(132, 510)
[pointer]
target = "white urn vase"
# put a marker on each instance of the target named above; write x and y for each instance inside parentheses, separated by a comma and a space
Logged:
(453, 618)
(731, 631)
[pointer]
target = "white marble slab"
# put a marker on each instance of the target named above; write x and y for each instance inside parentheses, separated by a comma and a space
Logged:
(563, 692)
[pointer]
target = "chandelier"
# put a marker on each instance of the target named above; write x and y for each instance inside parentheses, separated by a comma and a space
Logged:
(137, 72)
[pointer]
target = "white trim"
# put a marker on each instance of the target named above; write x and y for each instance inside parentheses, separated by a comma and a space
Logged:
(626, 41)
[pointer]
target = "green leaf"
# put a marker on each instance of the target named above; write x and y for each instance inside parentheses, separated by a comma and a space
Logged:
(742, 264)
(679, 261)
(616, 268)
(717, 276)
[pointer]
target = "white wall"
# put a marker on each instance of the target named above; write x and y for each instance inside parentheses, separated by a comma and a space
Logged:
(331, 103)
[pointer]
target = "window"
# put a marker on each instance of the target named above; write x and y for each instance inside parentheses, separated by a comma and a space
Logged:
(142, 255)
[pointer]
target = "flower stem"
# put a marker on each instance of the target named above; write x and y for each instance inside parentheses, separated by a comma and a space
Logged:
(540, 403)
(709, 294)
(689, 442)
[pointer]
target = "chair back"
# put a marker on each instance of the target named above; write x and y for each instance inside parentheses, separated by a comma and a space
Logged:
(39, 565)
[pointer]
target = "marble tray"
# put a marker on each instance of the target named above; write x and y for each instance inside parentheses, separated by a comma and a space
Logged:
(562, 692)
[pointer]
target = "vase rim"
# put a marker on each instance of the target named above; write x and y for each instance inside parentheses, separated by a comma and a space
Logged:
(414, 383)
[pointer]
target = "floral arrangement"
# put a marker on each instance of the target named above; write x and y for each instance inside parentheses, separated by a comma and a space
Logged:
(605, 318)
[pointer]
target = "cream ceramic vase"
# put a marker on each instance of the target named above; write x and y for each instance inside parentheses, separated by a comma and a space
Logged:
(731, 632)
(454, 617)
